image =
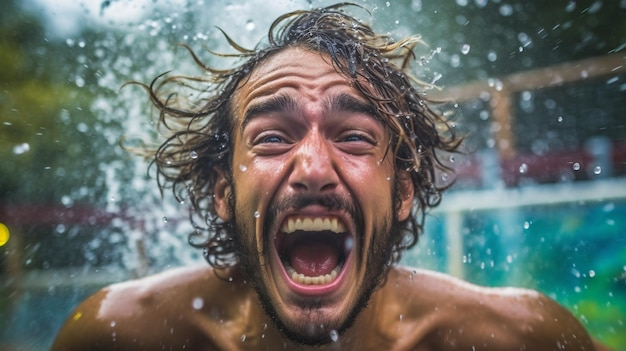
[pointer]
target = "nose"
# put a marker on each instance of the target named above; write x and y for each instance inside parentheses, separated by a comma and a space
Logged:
(313, 169)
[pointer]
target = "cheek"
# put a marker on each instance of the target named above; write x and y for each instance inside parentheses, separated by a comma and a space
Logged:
(256, 181)
(369, 180)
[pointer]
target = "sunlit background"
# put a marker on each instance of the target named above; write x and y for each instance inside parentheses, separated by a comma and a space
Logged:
(538, 86)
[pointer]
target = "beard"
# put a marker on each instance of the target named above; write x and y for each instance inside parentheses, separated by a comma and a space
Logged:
(379, 257)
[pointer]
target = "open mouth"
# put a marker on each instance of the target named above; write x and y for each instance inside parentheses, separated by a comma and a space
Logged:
(313, 250)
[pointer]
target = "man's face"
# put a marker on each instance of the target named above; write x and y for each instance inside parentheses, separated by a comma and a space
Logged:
(313, 193)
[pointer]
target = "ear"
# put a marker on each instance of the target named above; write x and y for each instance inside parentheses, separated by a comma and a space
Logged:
(222, 192)
(406, 191)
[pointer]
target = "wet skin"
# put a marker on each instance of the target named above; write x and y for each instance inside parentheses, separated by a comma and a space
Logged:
(303, 132)
(194, 309)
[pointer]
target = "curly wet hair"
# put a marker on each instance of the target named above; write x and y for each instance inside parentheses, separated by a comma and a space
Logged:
(199, 122)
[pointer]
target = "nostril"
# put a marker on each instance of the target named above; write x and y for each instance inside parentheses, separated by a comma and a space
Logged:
(328, 187)
(313, 184)
(300, 186)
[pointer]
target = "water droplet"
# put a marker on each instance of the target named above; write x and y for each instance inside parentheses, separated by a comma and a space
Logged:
(592, 273)
(526, 225)
(523, 168)
(576, 166)
(197, 303)
(79, 81)
(243, 168)
(349, 244)
(506, 10)
(465, 49)
(112, 324)
(164, 219)
(250, 25)
(257, 214)
(597, 170)
(21, 148)
(436, 77)
(66, 200)
(193, 155)
(334, 336)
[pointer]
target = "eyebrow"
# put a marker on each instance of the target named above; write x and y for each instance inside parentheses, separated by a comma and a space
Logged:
(348, 103)
(338, 103)
(274, 104)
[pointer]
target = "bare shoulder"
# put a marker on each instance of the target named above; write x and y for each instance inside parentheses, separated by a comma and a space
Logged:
(462, 314)
(145, 312)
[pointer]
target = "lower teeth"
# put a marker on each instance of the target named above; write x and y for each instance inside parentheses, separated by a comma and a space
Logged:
(319, 280)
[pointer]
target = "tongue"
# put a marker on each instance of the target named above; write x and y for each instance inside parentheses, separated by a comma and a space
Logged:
(313, 259)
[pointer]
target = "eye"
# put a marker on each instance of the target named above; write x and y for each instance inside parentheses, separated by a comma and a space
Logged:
(354, 137)
(271, 139)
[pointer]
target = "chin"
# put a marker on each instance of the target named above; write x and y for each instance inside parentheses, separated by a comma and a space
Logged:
(313, 325)
(315, 242)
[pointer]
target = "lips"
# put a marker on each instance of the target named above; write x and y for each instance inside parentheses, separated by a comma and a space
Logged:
(313, 250)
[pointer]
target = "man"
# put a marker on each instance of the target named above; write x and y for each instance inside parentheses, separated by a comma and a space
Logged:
(313, 164)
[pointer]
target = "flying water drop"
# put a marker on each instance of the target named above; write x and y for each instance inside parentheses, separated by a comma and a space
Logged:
(334, 336)
(349, 244)
(523, 168)
(250, 25)
(197, 303)
(465, 49)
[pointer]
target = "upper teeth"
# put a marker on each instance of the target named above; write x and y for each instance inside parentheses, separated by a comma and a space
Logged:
(313, 224)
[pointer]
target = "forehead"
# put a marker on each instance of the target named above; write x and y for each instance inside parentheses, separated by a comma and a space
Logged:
(293, 59)
(307, 74)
